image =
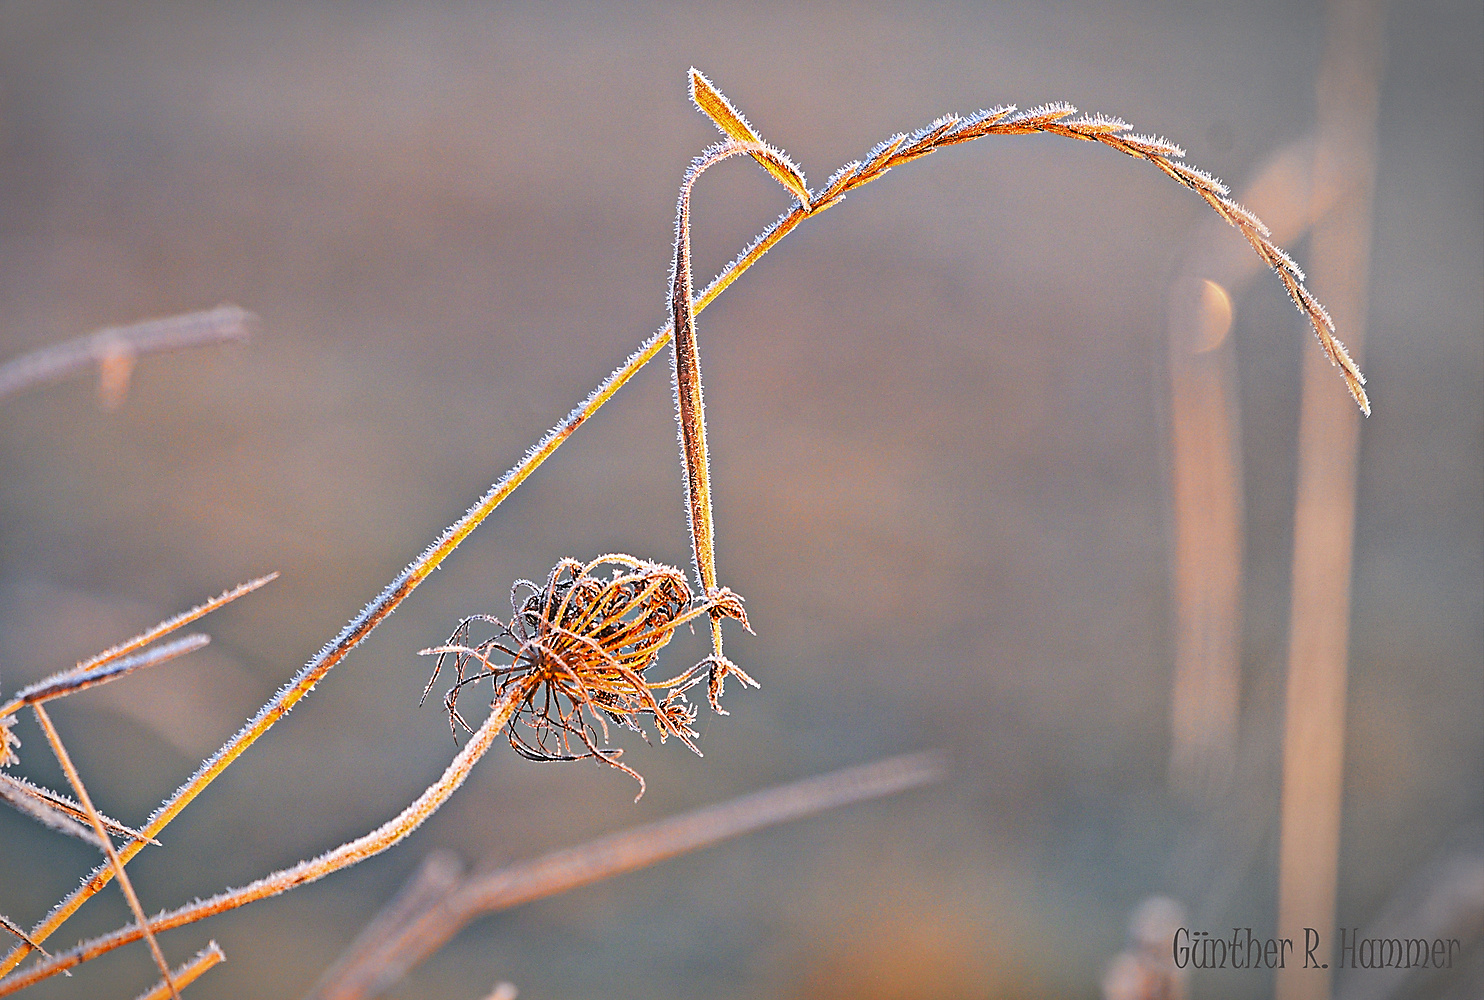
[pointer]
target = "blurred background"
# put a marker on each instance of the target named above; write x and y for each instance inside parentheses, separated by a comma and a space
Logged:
(940, 420)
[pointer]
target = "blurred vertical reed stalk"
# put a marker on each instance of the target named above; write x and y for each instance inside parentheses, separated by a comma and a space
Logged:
(1206, 488)
(1212, 748)
(1205, 454)
(1220, 752)
(1206, 473)
(1324, 517)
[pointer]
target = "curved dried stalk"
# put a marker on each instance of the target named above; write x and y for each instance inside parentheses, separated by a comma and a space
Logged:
(900, 149)
(347, 854)
(686, 375)
(114, 349)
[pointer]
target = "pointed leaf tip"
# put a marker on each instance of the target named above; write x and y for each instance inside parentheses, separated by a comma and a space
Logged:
(714, 105)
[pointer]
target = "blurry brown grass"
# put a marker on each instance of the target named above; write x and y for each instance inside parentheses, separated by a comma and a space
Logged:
(115, 350)
(579, 647)
(1348, 90)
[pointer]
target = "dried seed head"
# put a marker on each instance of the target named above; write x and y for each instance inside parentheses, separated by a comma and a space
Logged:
(575, 652)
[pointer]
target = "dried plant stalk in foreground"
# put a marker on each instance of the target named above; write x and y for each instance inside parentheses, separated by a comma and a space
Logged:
(587, 643)
(60, 813)
(368, 845)
(690, 410)
(1054, 119)
(125, 884)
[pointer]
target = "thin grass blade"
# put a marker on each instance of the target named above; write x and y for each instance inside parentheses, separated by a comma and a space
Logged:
(9, 925)
(150, 635)
(73, 681)
(44, 805)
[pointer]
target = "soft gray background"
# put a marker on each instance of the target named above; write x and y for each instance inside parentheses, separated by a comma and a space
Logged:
(936, 417)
